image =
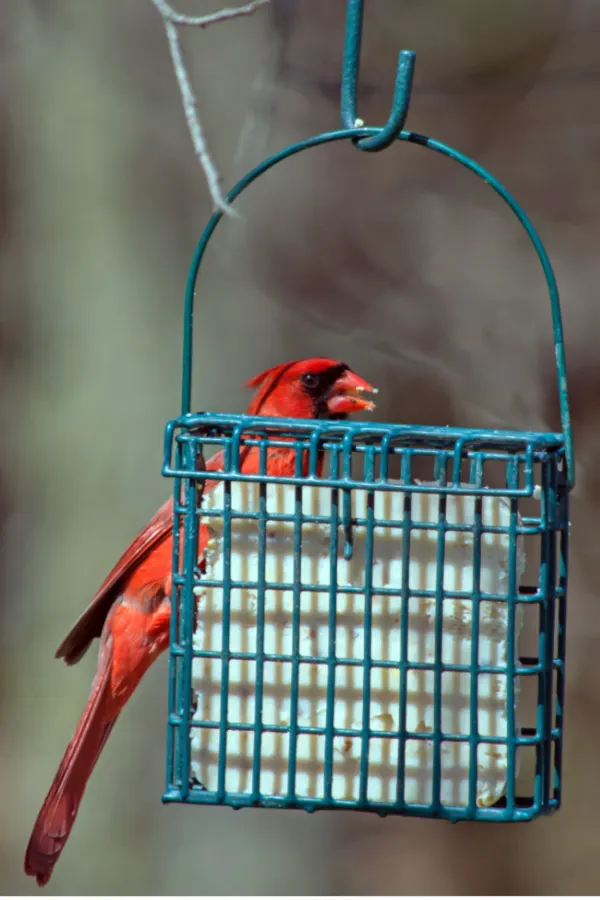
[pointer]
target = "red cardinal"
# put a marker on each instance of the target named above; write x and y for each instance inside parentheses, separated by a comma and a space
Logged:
(131, 611)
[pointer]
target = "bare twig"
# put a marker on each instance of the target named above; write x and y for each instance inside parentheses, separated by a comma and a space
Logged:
(171, 19)
(202, 21)
(191, 114)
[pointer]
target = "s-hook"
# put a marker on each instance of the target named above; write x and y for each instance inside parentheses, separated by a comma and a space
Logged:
(351, 66)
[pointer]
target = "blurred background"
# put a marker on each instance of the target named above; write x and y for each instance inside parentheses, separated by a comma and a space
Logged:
(400, 263)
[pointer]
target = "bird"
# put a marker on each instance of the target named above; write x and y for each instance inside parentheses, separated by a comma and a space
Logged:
(131, 611)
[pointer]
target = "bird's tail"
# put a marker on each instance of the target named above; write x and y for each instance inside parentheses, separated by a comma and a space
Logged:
(59, 810)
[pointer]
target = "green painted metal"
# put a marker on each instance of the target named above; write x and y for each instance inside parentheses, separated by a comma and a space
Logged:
(527, 458)
(460, 460)
(430, 144)
(350, 72)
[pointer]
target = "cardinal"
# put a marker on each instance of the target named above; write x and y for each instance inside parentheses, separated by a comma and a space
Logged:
(132, 609)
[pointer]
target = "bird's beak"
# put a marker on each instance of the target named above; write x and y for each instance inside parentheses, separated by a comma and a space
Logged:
(347, 395)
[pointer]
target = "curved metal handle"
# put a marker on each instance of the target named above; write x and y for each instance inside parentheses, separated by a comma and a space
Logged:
(438, 147)
(350, 71)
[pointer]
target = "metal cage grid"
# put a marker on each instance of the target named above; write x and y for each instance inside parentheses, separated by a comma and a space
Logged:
(359, 458)
(533, 474)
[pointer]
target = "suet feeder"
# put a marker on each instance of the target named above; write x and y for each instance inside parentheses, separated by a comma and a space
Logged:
(375, 638)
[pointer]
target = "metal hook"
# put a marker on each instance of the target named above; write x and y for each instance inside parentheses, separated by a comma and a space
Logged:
(351, 65)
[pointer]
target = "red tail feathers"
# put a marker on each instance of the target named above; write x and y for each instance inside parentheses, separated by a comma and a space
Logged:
(57, 815)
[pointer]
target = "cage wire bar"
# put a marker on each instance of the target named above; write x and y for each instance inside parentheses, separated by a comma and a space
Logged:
(531, 473)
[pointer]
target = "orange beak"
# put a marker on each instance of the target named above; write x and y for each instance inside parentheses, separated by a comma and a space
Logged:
(347, 395)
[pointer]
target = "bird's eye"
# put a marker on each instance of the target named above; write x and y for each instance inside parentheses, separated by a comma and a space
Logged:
(310, 380)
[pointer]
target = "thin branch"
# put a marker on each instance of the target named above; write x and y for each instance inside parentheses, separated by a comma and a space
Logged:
(167, 12)
(171, 19)
(190, 109)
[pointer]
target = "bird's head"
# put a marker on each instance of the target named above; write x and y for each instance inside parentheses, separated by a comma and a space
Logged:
(316, 388)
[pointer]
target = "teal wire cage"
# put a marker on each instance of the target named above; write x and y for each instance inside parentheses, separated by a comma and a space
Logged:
(417, 667)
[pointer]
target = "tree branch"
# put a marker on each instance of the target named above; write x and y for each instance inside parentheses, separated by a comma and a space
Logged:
(171, 19)
(202, 21)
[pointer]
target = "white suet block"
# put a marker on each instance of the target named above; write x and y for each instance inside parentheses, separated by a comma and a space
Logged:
(386, 645)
